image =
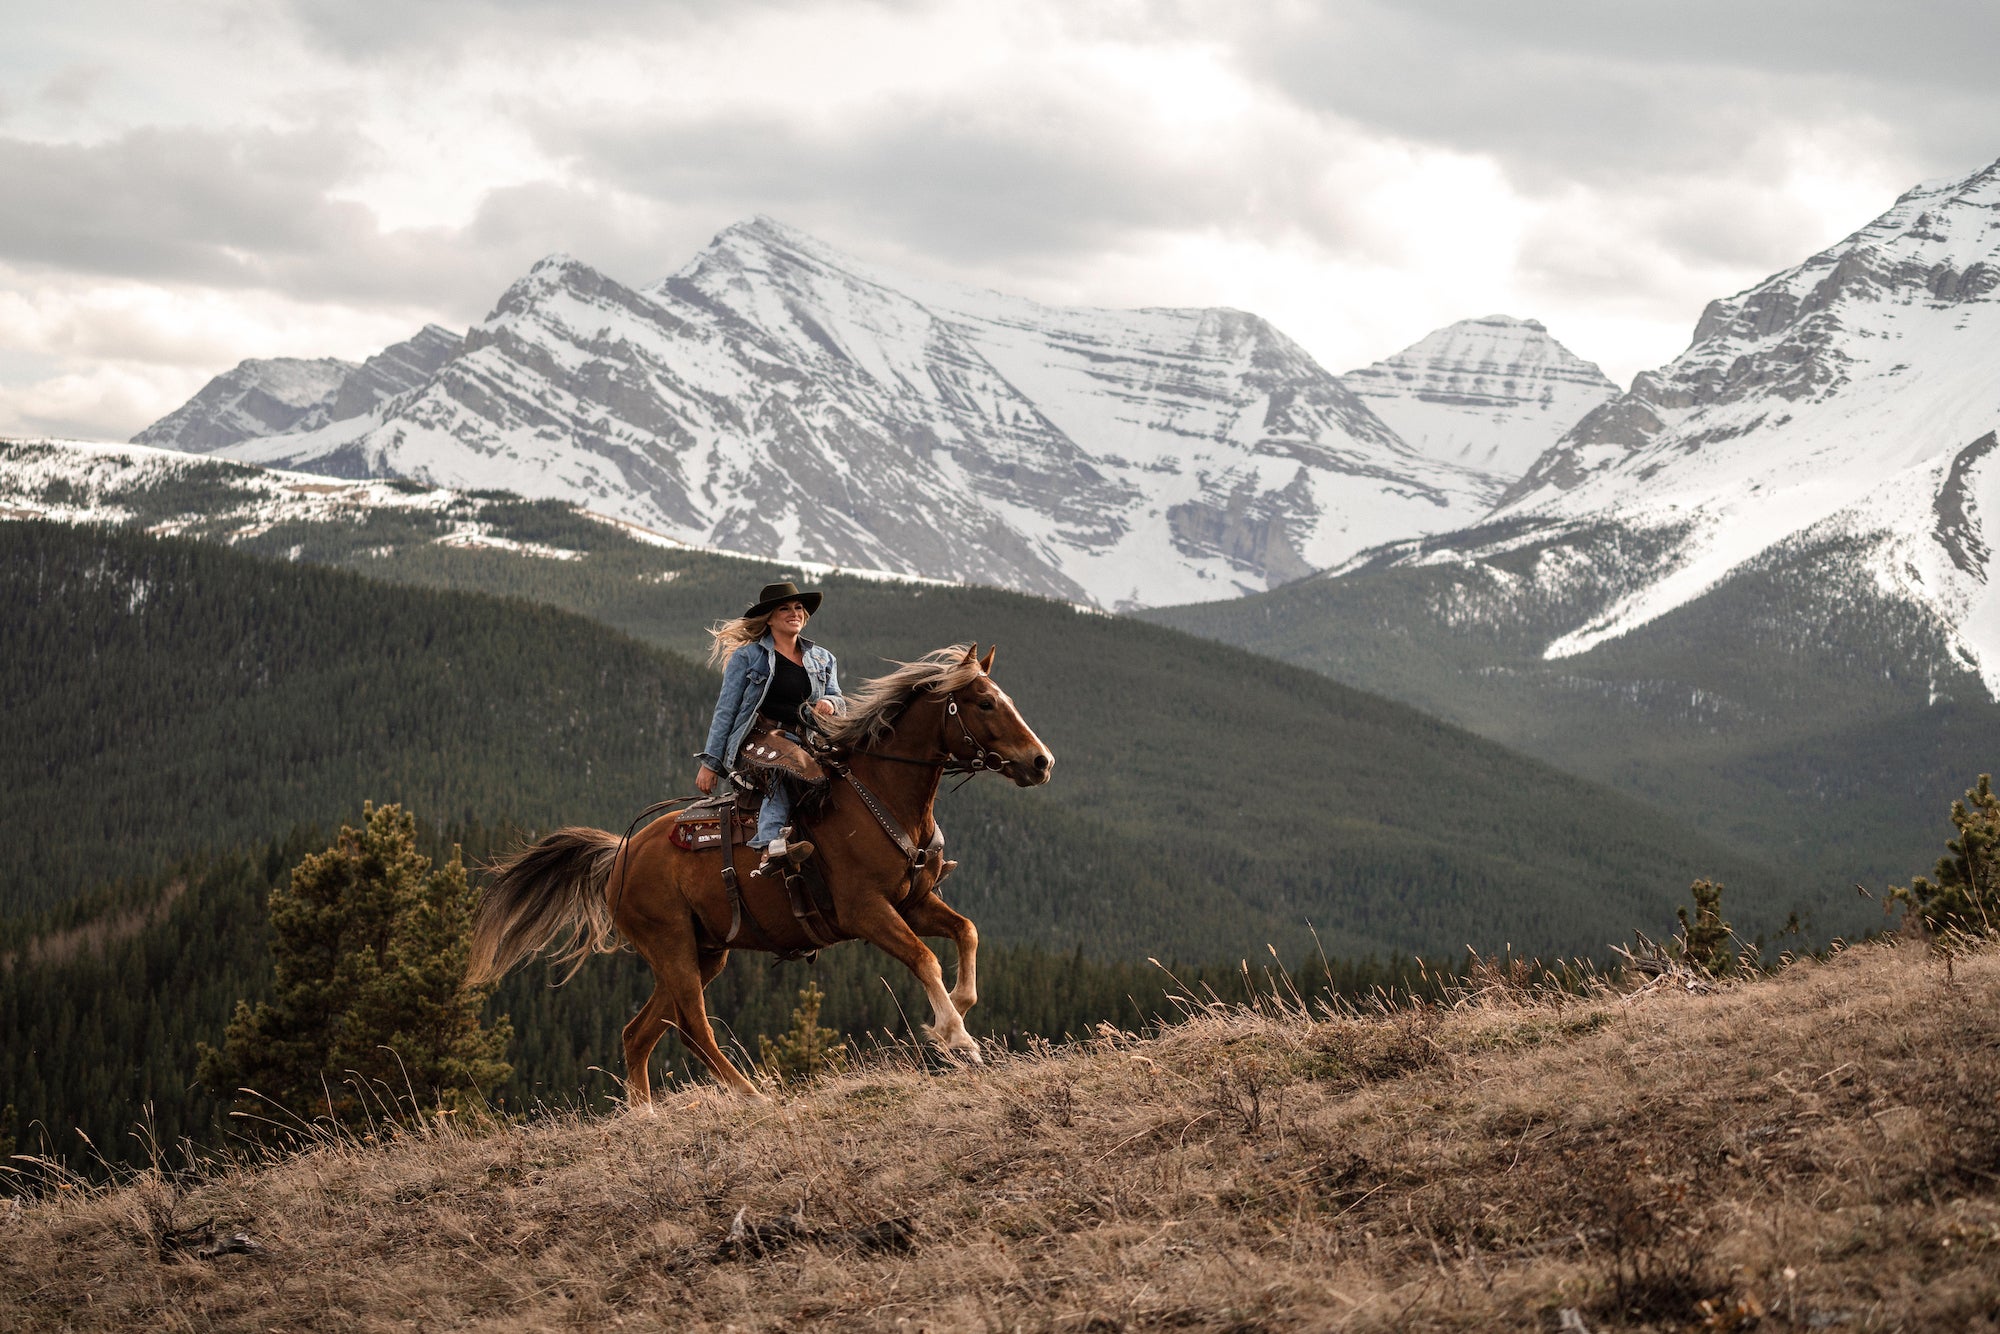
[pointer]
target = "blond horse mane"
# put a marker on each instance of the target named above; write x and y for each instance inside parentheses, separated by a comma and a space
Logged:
(872, 709)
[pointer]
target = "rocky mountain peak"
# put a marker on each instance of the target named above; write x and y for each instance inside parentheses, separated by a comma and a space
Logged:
(396, 369)
(257, 397)
(779, 397)
(286, 395)
(1490, 394)
(1848, 325)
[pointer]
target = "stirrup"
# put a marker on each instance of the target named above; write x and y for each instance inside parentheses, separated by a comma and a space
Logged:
(795, 853)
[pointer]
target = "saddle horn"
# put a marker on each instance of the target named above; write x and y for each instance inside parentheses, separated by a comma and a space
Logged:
(986, 663)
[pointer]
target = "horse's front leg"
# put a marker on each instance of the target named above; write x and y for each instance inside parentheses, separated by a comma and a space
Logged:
(876, 922)
(935, 917)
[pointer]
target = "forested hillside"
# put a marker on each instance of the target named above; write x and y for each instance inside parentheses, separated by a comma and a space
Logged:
(1804, 720)
(168, 696)
(1207, 801)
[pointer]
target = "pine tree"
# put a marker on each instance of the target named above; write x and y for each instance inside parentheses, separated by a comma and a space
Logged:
(1965, 897)
(1704, 940)
(368, 954)
(807, 1050)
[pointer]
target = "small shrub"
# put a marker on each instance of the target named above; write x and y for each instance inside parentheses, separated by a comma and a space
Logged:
(807, 1051)
(1655, 1254)
(1704, 941)
(1964, 898)
(1238, 1095)
(1051, 1102)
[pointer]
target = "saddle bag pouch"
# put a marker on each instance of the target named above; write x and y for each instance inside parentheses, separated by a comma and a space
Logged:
(767, 750)
(698, 831)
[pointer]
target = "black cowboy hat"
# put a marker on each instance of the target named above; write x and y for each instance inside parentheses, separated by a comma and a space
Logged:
(773, 594)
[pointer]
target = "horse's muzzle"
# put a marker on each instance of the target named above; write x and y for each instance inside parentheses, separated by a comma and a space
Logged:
(1034, 772)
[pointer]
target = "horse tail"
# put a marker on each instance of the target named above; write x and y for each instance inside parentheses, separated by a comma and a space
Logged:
(535, 894)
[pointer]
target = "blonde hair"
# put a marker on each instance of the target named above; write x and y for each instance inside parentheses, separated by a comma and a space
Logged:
(725, 637)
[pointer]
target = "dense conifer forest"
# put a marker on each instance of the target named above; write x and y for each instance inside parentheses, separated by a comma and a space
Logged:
(182, 696)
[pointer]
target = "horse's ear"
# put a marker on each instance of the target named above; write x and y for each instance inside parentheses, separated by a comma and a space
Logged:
(986, 663)
(972, 652)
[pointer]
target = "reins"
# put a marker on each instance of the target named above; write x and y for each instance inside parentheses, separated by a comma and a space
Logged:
(981, 760)
(915, 856)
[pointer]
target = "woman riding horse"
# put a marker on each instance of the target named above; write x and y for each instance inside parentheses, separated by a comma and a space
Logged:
(770, 677)
(670, 898)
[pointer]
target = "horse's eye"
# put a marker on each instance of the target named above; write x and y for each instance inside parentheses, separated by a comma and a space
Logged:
(986, 704)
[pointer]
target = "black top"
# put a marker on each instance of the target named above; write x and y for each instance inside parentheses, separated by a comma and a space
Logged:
(790, 687)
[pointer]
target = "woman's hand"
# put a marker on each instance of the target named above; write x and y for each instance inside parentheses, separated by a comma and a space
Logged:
(824, 706)
(705, 780)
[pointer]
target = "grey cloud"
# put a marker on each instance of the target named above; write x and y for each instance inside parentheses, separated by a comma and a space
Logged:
(1612, 91)
(231, 210)
(74, 85)
(252, 210)
(1021, 185)
(1930, 42)
(166, 203)
(442, 30)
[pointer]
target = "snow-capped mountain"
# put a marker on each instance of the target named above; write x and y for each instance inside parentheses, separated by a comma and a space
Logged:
(778, 397)
(272, 395)
(1490, 394)
(1757, 589)
(395, 369)
(261, 396)
(1846, 406)
(173, 493)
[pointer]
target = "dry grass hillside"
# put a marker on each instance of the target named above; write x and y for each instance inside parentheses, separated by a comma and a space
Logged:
(1816, 1151)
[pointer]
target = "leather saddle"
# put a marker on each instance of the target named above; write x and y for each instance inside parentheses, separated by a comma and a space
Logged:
(719, 824)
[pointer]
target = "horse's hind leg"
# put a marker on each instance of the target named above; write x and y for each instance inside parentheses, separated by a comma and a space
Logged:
(642, 1034)
(935, 917)
(881, 925)
(648, 1026)
(683, 972)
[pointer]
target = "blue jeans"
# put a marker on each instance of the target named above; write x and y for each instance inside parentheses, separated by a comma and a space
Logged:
(777, 809)
(775, 814)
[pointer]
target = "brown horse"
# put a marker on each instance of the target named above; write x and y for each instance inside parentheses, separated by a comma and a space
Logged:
(900, 734)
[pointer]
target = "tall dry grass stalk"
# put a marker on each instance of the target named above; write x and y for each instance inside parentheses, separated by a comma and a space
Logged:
(1815, 1150)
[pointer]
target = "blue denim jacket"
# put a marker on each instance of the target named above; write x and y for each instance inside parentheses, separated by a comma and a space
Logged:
(745, 679)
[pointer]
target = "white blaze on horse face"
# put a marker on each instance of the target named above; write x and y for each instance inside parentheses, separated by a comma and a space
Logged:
(1035, 750)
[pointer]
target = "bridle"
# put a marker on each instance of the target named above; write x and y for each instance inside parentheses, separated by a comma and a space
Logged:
(980, 760)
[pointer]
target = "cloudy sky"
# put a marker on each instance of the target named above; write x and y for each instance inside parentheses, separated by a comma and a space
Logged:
(187, 185)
